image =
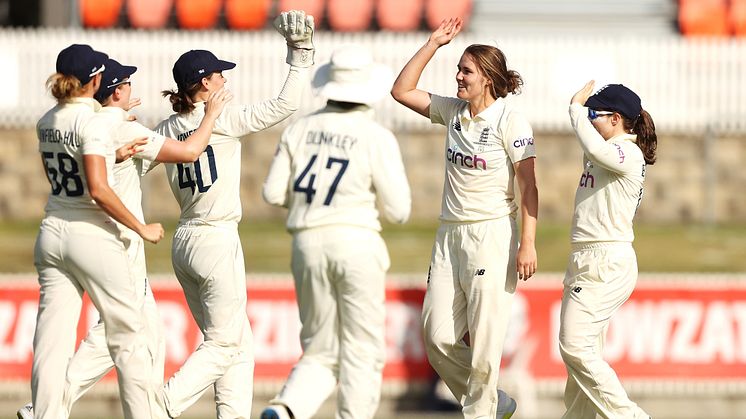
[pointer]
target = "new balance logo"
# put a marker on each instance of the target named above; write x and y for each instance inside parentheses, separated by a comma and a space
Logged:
(457, 126)
(576, 290)
(479, 272)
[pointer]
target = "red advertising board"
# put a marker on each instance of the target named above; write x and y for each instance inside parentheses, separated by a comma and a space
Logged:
(667, 330)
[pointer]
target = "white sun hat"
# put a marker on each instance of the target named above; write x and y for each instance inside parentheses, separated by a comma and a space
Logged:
(352, 76)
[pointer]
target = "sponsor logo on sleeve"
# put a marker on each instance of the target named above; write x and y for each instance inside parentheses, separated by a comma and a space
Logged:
(523, 142)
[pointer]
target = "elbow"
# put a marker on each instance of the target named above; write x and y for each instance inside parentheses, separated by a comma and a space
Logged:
(290, 106)
(397, 94)
(398, 215)
(96, 191)
(191, 154)
(272, 197)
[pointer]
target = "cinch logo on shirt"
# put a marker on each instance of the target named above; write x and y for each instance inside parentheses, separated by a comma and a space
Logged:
(587, 180)
(522, 142)
(465, 160)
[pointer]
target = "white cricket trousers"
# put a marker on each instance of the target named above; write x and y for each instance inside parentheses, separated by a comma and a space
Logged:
(600, 277)
(82, 252)
(470, 288)
(208, 262)
(92, 361)
(339, 274)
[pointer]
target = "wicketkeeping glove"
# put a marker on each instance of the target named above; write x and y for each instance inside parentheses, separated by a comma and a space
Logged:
(297, 29)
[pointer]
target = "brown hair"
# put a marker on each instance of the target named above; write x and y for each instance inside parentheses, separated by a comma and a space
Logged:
(181, 100)
(492, 63)
(647, 140)
(64, 87)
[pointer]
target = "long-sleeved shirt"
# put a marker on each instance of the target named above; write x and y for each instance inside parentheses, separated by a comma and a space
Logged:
(330, 166)
(610, 187)
(207, 190)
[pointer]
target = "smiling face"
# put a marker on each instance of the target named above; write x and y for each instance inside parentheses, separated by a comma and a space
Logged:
(473, 86)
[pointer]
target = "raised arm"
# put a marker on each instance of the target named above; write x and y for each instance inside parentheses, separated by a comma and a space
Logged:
(405, 89)
(609, 155)
(189, 150)
(297, 28)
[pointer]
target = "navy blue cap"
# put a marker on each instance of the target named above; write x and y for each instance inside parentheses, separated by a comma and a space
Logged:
(193, 65)
(617, 98)
(80, 61)
(114, 75)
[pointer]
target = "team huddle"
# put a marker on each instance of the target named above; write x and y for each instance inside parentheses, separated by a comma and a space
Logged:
(333, 170)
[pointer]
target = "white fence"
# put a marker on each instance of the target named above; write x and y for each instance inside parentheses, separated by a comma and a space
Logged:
(688, 85)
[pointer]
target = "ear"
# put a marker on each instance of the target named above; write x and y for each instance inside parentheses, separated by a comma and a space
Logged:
(97, 81)
(117, 93)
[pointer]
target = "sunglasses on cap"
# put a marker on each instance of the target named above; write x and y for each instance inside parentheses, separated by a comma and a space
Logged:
(126, 81)
(593, 114)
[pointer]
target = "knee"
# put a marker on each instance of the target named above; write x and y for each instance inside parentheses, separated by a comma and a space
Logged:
(438, 343)
(573, 354)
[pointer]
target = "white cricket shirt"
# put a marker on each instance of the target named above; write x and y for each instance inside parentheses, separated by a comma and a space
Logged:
(330, 166)
(479, 157)
(127, 173)
(208, 190)
(66, 133)
(610, 187)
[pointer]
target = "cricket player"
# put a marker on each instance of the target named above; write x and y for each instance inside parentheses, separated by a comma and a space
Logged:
(329, 169)
(618, 141)
(92, 361)
(476, 259)
(206, 253)
(80, 247)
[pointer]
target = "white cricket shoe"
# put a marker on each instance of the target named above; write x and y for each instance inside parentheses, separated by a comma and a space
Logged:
(26, 412)
(275, 411)
(506, 405)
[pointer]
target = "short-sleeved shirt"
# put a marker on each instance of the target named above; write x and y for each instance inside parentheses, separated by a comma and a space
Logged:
(611, 184)
(127, 173)
(331, 165)
(479, 155)
(66, 133)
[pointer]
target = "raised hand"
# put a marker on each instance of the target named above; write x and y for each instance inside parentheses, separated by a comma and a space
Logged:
(297, 28)
(130, 149)
(582, 95)
(132, 103)
(447, 30)
(216, 103)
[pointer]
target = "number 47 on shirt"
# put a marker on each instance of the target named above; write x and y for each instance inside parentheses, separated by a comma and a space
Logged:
(309, 189)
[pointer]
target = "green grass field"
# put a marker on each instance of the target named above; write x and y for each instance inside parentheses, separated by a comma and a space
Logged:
(660, 248)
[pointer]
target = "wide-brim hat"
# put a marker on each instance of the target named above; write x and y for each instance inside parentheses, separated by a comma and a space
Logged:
(352, 76)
